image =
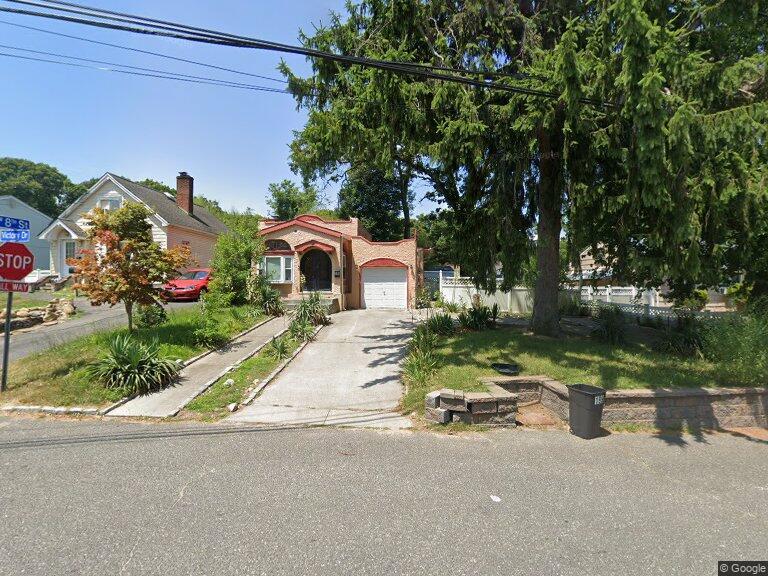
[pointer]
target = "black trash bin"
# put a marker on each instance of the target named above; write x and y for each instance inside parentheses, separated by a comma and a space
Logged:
(585, 410)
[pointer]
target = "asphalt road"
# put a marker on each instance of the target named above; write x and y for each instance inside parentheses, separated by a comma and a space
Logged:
(88, 319)
(106, 497)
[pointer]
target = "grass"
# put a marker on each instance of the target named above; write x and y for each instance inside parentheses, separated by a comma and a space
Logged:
(212, 404)
(463, 358)
(56, 377)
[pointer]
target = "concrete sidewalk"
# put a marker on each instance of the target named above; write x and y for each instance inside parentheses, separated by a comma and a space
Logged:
(199, 375)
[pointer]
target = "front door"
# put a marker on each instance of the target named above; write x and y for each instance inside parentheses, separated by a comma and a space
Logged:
(67, 251)
(316, 269)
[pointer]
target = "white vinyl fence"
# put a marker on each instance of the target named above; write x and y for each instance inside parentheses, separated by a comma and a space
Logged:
(519, 300)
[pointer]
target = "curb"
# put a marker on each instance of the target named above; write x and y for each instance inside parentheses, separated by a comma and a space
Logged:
(51, 410)
(264, 383)
(223, 373)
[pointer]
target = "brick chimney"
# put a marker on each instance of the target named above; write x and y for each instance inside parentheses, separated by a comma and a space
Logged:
(184, 185)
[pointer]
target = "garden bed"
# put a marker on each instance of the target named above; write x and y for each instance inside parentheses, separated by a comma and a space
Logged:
(57, 376)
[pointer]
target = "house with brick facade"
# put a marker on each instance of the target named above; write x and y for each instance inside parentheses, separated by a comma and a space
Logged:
(175, 220)
(338, 259)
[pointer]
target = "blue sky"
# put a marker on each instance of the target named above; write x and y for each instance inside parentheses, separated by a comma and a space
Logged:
(86, 122)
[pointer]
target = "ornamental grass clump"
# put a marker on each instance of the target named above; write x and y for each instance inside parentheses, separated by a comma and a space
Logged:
(312, 310)
(133, 367)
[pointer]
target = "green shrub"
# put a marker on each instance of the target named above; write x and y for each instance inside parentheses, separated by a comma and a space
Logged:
(279, 348)
(209, 334)
(419, 365)
(423, 339)
(301, 330)
(573, 307)
(696, 300)
(133, 367)
(611, 325)
(495, 312)
(478, 317)
(648, 321)
(149, 316)
(311, 310)
(233, 254)
(738, 346)
(423, 298)
(681, 339)
(268, 299)
(441, 324)
(450, 307)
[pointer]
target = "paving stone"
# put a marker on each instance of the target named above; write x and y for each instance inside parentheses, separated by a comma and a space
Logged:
(432, 400)
(453, 400)
(437, 415)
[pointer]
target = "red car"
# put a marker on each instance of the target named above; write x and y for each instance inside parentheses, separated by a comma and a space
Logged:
(189, 286)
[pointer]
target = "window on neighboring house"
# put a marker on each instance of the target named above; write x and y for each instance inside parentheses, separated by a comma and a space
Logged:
(278, 269)
(69, 252)
(110, 203)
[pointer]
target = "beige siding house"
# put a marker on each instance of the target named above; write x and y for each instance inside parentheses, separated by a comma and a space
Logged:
(338, 259)
(175, 219)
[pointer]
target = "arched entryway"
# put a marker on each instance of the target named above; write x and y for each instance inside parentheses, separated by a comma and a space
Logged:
(316, 269)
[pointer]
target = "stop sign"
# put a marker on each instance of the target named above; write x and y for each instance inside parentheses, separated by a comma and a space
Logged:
(16, 261)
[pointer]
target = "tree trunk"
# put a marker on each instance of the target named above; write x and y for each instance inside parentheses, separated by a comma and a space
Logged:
(129, 311)
(406, 211)
(546, 314)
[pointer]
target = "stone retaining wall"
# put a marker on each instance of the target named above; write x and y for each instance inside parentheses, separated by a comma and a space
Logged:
(662, 408)
(497, 407)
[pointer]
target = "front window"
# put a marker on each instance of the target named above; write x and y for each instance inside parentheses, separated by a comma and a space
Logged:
(278, 269)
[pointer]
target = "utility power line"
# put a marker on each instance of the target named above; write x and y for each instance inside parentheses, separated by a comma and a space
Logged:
(158, 54)
(156, 27)
(44, 53)
(147, 72)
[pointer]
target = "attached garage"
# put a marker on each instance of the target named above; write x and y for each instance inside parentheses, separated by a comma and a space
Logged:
(384, 284)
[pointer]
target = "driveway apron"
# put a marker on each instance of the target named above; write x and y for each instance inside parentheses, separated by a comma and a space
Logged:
(199, 375)
(349, 376)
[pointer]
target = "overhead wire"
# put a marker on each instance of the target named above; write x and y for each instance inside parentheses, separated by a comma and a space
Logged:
(148, 73)
(149, 52)
(169, 29)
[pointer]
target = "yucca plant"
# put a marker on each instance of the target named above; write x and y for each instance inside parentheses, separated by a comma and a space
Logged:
(441, 324)
(279, 349)
(312, 310)
(302, 331)
(133, 367)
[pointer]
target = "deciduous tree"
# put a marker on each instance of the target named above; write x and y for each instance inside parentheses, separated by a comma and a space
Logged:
(124, 264)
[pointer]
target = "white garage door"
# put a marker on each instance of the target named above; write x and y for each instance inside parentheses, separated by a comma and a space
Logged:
(385, 288)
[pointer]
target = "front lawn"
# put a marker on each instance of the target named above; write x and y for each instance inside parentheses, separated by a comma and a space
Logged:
(56, 377)
(463, 358)
(212, 404)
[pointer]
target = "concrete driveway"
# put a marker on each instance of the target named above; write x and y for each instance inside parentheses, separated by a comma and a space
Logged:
(349, 376)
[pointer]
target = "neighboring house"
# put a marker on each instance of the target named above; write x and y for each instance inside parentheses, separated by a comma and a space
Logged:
(339, 259)
(15, 208)
(591, 272)
(175, 220)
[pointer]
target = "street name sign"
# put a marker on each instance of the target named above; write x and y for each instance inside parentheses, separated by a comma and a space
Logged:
(15, 236)
(13, 223)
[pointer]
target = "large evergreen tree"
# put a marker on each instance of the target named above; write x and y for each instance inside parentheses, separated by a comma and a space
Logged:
(665, 177)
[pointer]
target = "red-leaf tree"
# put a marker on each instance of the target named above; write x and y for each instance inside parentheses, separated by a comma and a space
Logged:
(124, 264)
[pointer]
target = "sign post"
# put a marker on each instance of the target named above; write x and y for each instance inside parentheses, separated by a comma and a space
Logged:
(16, 261)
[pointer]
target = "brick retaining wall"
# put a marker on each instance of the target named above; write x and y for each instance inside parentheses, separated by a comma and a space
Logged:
(662, 408)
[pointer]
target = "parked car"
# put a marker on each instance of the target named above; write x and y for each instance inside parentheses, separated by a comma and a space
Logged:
(189, 286)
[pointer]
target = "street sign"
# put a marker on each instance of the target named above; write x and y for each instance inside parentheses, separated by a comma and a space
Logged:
(16, 261)
(14, 286)
(13, 223)
(15, 236)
